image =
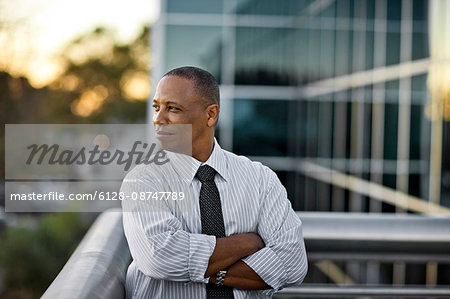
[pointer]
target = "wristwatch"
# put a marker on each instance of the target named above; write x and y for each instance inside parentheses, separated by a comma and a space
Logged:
(220, 278)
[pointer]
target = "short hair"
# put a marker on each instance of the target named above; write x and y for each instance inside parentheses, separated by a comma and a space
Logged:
(205, 84)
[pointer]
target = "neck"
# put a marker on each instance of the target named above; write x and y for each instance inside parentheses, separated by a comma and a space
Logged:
(204, 152)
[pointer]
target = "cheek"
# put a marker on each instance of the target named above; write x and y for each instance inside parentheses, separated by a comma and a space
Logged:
(198, 128)
(178, 118)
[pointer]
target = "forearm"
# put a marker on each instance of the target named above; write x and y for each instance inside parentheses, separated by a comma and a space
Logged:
(241, 276)
(281, 263)
(167, 252)
(230, 250)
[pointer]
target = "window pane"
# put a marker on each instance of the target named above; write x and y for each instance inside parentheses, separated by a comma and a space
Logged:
(266, 56)
(271, 7)
(420, 48)
(445, 187)
(390, 131)
(392, 48)
(417, 113)
(260, 127)
(195, 6)
(394, 10)
(419, 89)
(420, 10)
(194, 45)
(343, 52)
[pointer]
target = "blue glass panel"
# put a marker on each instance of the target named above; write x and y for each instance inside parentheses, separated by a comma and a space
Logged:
(195, 6)
(199, 46)
(445, 179)
(260, 127)
(417, 113)
(394, 10)
(271, 7)
(267, 56)
(420, 10)
(420, 46)
(392, 48)
(390, 131)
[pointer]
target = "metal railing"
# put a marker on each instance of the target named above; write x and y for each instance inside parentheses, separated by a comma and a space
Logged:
(376, 237)
(98, 267)
(327, 291)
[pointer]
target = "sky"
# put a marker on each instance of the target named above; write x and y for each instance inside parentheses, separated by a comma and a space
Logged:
(44, 27)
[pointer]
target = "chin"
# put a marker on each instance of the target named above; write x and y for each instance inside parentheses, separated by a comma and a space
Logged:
(175, 144)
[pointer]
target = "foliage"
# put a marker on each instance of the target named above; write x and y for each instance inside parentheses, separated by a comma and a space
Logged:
(98, 70)
(33, 252)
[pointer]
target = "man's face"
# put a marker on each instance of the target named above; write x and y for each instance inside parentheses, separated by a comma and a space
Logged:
(175, 103)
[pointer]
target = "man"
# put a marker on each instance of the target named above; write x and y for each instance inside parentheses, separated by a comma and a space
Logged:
(236, 236)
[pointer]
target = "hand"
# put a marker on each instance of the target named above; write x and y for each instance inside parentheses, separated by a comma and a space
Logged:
(231, 249)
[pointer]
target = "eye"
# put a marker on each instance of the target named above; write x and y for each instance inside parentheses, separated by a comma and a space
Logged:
(156, 107)
(172, 108)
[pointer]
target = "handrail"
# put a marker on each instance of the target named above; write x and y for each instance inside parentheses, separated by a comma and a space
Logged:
(98, 266)
(376, 237)
(327, 291)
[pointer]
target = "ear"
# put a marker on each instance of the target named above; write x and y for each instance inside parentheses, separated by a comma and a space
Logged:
(213, 115)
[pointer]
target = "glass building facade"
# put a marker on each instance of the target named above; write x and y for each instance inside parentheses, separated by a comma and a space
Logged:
(332, 95)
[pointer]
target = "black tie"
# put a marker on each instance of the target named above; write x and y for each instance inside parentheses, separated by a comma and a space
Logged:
(212, 220)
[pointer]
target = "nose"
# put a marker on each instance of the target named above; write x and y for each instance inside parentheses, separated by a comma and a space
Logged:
(159, 117)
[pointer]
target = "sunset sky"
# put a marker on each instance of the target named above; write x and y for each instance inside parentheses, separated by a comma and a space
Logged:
(33, 31)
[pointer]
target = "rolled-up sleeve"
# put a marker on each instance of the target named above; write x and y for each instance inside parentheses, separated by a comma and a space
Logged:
(158, 244)
(201, 248)
(283, 261)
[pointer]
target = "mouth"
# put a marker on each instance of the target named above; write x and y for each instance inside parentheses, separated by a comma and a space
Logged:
(164, 134)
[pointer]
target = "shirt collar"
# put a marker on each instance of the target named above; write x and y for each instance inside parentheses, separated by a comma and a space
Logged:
(185, 165)
(217, 161)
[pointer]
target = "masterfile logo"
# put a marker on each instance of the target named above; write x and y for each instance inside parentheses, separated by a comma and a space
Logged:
(54, 168)
(53, 155)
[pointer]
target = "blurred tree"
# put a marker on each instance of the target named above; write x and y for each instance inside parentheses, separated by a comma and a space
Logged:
(103, 81)
(34, 251)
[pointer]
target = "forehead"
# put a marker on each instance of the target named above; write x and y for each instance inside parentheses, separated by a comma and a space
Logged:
(174, 88)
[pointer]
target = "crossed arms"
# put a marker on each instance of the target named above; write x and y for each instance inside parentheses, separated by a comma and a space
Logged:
(228, 254)
(271, 258)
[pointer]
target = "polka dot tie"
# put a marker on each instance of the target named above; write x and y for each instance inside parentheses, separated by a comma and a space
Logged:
(212, 220)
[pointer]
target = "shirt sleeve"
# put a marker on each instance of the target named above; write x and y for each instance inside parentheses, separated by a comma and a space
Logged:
(283, 261)
(158, 244)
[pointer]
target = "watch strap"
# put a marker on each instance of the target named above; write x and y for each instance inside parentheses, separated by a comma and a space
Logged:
(220, 278)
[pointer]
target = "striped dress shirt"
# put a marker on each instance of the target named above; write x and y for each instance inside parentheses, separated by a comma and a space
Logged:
(170, 254)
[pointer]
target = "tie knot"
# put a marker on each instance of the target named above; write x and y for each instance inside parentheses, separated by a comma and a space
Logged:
(205, 173)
